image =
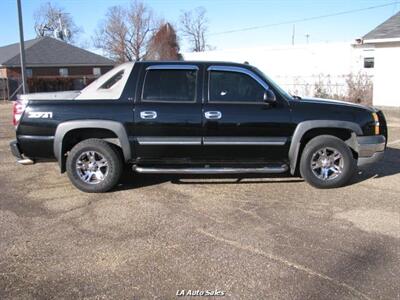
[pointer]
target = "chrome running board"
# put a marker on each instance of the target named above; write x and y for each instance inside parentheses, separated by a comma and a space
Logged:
(25, 161)
(210, 170)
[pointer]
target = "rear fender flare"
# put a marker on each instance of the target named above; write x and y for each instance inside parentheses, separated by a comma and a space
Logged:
(65, 127)
(305, 126)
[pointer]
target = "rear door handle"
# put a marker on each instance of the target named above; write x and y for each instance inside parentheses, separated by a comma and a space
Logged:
(213, 115)
(148, 114)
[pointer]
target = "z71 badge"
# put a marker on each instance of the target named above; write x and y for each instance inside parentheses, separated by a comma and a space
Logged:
(40, 115)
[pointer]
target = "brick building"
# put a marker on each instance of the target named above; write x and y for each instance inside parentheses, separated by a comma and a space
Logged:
(51, 65)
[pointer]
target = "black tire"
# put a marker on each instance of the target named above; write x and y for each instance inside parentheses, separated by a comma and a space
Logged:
(347, 164)
(103, 150)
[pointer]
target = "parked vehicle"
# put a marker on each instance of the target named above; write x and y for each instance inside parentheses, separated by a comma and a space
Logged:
(197, 118)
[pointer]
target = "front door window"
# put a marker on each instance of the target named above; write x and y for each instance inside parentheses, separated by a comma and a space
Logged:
(226, 86)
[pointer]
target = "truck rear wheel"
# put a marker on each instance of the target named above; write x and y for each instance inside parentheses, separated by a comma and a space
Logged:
(94, 166)
(327, 162)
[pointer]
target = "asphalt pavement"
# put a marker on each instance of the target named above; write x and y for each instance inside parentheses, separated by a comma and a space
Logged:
(155, 236)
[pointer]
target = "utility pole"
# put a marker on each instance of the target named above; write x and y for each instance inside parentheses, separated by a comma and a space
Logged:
(293, 33)
(22, 48)
(307, 37)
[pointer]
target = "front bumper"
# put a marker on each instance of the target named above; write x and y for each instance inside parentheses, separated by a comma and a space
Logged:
(370, 149)
(17, 153)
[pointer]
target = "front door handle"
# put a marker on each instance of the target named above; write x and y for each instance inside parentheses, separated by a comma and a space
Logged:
(148, 114)
(213, 115)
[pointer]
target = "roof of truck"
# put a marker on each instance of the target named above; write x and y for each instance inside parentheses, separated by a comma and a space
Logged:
(95, 90)
(188, 62)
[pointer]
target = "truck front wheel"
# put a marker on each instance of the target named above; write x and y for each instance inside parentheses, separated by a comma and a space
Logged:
(327, 162)
(94, 166)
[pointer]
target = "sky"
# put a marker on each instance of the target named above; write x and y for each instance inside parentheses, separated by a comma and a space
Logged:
(224, 15)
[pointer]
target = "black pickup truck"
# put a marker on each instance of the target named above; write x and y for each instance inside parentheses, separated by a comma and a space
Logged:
(197, 118)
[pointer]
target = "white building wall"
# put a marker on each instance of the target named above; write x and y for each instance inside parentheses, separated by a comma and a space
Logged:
(387, 75)
(297, 68)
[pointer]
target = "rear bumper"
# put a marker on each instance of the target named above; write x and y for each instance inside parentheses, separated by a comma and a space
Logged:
(370, 149)
(14, 147)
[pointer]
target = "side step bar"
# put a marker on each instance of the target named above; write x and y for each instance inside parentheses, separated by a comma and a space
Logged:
(267, 170)
(25, 161)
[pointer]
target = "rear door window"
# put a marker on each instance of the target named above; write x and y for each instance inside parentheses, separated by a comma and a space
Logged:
(169, 85)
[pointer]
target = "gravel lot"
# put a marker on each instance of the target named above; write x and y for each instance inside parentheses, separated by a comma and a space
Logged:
(254, 238)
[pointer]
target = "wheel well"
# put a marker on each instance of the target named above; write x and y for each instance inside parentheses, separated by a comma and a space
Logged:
(341, 133)
(75, 136)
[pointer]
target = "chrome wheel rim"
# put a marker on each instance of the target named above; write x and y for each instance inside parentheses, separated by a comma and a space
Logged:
(327, 163)
(92, 167)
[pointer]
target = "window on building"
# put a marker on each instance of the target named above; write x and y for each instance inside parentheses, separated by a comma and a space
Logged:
(170, 85)
(96, 72)
(368, 62)
(63, 71)
(28, 72)
(234, 87)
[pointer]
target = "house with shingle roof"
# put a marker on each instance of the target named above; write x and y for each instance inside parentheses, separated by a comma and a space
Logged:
(387, 32)
(51, 65)
(381, 48)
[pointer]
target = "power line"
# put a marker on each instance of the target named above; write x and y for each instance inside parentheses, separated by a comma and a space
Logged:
(304, 19)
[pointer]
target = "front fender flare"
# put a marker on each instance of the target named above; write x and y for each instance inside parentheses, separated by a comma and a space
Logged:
(305, 126)
(63, 128)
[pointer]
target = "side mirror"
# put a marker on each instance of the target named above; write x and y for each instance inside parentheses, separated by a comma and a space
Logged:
(269, 96)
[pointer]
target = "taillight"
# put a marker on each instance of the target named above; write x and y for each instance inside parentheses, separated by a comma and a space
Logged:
(18, 109)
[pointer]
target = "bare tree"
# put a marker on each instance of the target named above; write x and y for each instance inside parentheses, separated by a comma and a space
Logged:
(194, 26)
(52, 20)
(112, 34)
(141, 22)
(359, 88)
(125, 33)
(164, 44)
